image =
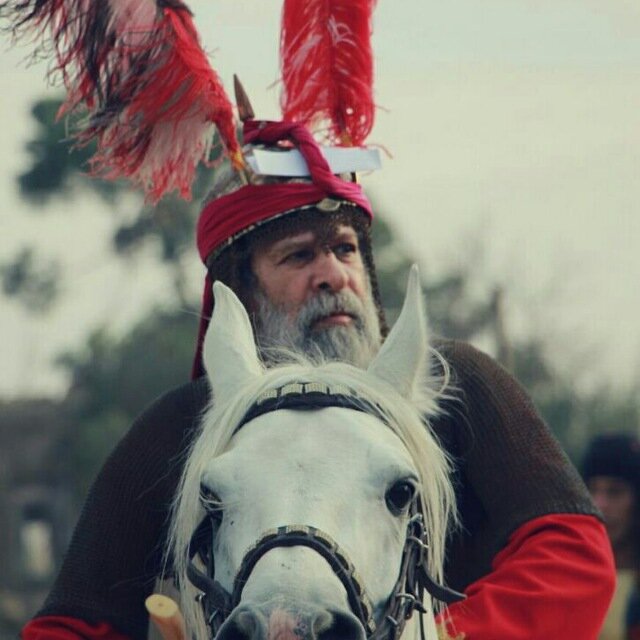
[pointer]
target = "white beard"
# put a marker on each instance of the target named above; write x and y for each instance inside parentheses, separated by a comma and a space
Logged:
(356, 344)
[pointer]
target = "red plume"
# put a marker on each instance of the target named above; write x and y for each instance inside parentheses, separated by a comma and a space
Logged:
(138, 67)
(327, 66)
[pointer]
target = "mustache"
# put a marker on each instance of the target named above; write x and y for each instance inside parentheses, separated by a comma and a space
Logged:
(326, 303)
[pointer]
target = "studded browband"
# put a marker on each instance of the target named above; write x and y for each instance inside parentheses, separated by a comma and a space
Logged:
(302, 396)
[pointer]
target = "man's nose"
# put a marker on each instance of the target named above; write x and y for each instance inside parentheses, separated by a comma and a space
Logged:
(330, 274)
(600, 500)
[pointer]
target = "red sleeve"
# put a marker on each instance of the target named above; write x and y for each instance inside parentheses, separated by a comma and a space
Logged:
(64, 628)
(553, 580)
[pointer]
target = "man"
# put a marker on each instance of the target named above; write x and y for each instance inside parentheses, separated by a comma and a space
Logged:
(611, 469)
(531, 555)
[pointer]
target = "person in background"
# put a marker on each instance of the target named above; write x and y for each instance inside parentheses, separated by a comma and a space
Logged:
(611, 469)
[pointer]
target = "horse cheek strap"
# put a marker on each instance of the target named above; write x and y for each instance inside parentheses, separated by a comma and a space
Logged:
(215, 600)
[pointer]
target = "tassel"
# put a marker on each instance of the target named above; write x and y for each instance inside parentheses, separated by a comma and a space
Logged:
(327, 67)
(153, 100)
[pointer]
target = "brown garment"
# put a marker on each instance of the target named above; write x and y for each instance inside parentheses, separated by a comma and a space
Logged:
(509, 469)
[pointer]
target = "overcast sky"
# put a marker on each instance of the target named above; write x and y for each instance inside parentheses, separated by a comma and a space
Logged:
(514, 125)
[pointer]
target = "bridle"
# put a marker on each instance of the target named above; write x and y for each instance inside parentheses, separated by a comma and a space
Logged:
(413, 579)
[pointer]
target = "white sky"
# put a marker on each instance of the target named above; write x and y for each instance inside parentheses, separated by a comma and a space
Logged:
(514, 124)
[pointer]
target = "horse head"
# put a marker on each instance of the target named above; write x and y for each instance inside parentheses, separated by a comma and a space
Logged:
(315, 500)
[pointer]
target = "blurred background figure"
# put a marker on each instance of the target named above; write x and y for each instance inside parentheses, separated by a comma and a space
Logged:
(611, 469)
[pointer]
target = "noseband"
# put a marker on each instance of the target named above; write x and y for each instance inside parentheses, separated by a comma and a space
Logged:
(413, 579)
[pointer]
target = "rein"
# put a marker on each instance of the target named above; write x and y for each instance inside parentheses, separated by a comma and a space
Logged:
(413, 579)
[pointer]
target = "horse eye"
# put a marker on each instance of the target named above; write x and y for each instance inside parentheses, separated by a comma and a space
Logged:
(399, 496)
(209, 499)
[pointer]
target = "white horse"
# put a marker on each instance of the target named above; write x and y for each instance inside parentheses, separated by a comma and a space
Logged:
(315, 499)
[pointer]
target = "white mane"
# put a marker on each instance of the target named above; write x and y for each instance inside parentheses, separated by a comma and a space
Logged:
(406, 419)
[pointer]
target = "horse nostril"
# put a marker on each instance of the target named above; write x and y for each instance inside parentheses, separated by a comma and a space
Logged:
(337, 626)
(246, 624)
(321, 623)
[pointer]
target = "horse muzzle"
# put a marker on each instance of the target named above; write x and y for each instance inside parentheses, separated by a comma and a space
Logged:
(223, 609)
(290, 621)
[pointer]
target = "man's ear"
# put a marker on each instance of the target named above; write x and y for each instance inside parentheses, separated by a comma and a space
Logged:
(230, 354)
(403, 357)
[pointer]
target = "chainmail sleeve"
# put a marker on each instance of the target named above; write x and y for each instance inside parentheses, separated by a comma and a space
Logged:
(116, 550)
(509, 466)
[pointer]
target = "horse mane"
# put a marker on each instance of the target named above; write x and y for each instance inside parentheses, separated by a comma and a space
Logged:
(409, 420)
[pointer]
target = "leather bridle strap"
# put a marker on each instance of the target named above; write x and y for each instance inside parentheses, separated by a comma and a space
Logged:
(413, 580)
(323, 545)
(218, 603)
(215, 599)
(407, 594)
(307, 396)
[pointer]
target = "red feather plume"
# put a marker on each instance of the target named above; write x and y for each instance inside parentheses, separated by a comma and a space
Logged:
(327, 67)
(153, 100)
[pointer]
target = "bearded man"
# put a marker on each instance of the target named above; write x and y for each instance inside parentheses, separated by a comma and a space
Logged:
(531, 555)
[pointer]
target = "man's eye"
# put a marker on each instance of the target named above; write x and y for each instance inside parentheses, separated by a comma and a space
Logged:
(303, 255)
(345, 249)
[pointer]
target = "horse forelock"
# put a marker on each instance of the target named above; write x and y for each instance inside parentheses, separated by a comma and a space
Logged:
(408, 420)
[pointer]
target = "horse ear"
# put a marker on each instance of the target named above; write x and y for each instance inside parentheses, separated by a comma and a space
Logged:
(230, 354)
(402, 359)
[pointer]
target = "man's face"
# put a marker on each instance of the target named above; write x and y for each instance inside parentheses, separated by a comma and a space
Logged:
(616, 500)
(314, 295)
(292, 270)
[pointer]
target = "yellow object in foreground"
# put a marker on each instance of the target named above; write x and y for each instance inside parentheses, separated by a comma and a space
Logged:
(165, 614)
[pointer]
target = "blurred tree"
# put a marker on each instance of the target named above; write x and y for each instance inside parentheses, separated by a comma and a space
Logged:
(59, 170)
(31, 280)
(113, 380)
(57, 165)
(453, 311)
(555, 397)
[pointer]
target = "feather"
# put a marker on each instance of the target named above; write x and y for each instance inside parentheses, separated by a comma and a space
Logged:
(327, 67)
(153, 101)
